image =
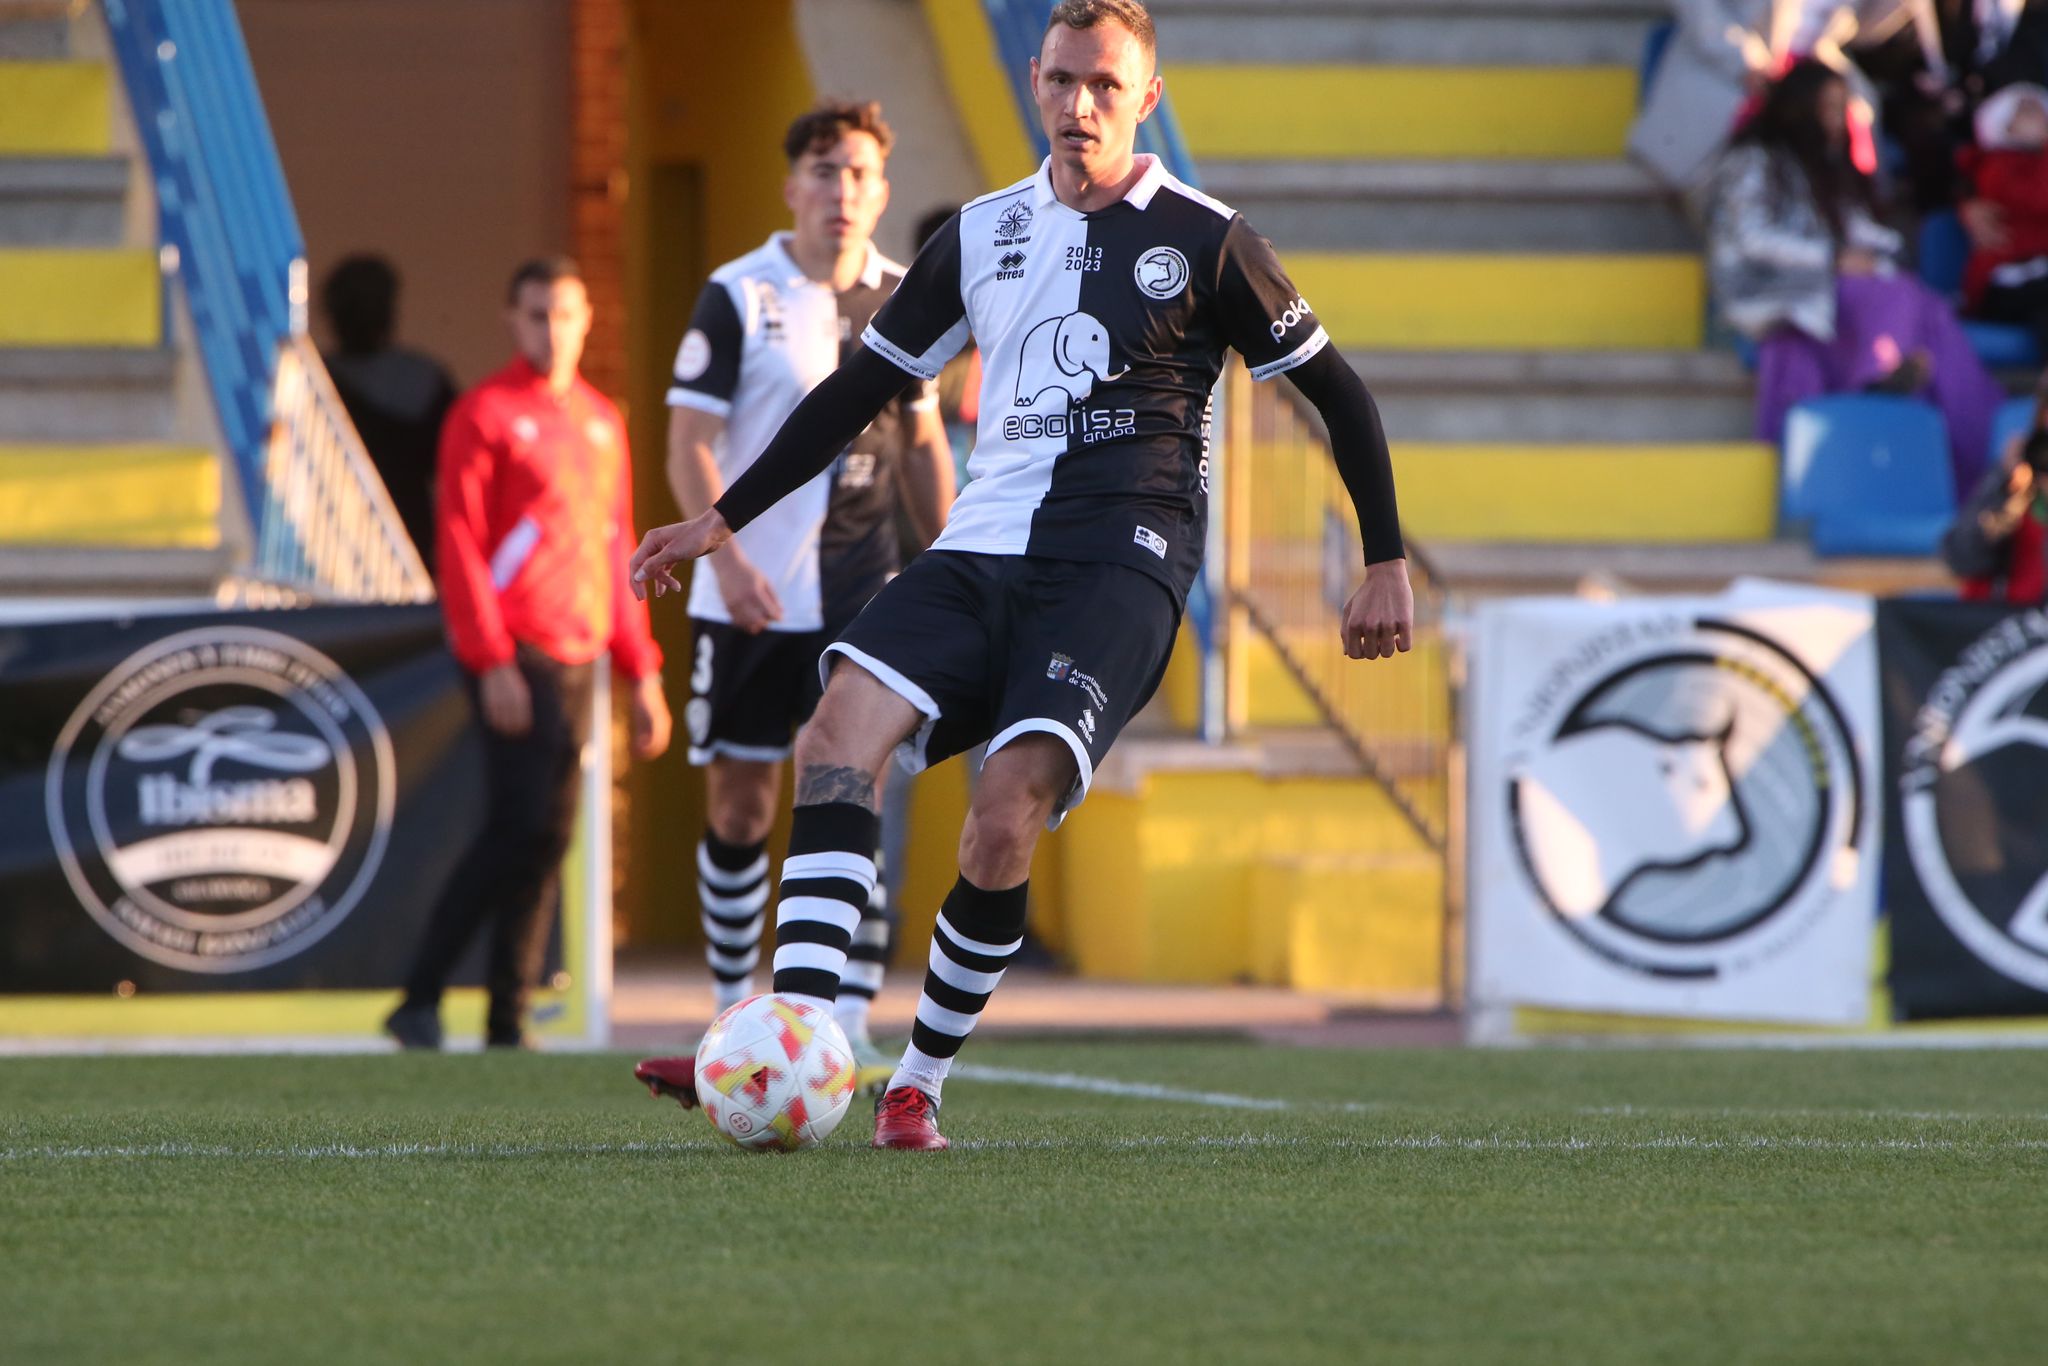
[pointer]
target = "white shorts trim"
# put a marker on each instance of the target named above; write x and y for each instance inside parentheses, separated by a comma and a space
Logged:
(911, 753)
(1076, 794)
(725, 749)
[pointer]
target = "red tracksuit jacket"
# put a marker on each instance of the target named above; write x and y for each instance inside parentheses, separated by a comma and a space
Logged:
(534, 526)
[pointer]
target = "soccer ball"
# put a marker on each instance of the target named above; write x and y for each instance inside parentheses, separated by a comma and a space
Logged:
(775, 1074)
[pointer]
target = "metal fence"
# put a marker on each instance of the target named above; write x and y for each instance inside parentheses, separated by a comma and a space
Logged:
(1292, 558)
(331, 525)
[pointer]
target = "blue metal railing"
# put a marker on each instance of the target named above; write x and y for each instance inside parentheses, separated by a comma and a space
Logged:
(226, 218)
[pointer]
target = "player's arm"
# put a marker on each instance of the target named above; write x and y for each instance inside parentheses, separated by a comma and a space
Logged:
(925, 479)
(824, 424)
(917, 331)
(1380, 618)
(700, 399)
(1274, 329)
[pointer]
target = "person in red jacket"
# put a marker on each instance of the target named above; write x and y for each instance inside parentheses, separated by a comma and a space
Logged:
(1998, 544)
(2007, 277)
(534, 525)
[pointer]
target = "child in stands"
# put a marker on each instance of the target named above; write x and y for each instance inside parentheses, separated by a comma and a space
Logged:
(2007, 278)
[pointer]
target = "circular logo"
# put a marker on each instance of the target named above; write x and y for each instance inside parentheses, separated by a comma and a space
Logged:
(1162, 273)
(1972, 798)
(222, 799)
(697, 720)
(693, 357)
(1694, 804)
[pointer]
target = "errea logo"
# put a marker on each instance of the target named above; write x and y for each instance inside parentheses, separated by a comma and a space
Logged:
(1296, 311)
(1010, 266)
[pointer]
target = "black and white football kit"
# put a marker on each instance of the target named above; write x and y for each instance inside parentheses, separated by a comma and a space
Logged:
(1051, 601)
(762, 336)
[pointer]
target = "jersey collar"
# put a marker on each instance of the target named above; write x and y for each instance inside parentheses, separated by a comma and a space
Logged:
(793, 274)
(1151, 176)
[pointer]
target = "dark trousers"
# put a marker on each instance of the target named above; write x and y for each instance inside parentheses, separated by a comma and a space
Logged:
(508, 877)
(2025, 304)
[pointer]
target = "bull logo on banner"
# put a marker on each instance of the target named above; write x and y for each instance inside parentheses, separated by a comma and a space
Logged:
(1686, 806)
(1978, 741)
(222, 799)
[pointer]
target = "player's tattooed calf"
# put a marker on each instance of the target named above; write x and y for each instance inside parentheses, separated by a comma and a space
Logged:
(819, 783)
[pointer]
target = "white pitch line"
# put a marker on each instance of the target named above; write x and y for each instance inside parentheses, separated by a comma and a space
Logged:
(1144, 1090)
(1385, 1143)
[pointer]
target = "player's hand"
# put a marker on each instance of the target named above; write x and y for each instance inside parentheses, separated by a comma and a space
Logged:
(651, 724)
(750, 598)
(507, 701)
(670, 545)
(1380, 618)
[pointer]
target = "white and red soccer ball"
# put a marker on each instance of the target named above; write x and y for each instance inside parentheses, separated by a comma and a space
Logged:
(775, 1074)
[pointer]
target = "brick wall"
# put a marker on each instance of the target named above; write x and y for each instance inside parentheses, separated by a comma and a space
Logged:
(598, 182)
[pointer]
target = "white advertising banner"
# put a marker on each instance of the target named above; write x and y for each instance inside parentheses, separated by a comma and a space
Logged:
(1674, 805)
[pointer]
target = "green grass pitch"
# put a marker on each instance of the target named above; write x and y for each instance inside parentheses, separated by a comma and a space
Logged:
(1431, 1207)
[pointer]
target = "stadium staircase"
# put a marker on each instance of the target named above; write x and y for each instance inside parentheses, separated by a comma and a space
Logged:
(111, 479)
(1447, 179)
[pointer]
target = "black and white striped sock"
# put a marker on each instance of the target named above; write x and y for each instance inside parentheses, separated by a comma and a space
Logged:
(826, 882)
(866, 959)
(977, 935)
(732, 889)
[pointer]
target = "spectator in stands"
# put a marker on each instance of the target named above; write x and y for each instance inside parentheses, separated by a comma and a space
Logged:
(536, 525)
(1801, 263)
(2007, 277)
(1721, 53)
(396, 397)
(1998, 545)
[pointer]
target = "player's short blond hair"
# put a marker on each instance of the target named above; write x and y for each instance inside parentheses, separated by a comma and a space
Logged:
(1088, 13)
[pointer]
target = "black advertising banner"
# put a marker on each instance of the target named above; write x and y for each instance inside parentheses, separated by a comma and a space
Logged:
(230, 801)
(1966, 743)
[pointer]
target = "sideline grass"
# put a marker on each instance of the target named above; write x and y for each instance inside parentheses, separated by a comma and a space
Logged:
(1410, 1207)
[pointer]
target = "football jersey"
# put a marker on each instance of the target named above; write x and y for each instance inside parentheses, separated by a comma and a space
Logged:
(763, 335)
(1101, 337)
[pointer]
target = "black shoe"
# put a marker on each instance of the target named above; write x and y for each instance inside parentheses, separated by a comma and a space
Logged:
(415, 1027)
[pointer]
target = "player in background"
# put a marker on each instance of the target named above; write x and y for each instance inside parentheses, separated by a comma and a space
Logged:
(767, 328)
(1103, 294)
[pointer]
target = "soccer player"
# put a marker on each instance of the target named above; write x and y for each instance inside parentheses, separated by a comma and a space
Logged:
(767, 328)
(1103, 293)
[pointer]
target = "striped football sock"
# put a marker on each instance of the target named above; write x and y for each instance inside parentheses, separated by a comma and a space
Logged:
(732, 888)
(977, 935)
(866, 959)
(826, 882)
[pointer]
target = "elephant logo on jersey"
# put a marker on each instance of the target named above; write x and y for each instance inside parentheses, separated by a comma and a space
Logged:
(1064, 356)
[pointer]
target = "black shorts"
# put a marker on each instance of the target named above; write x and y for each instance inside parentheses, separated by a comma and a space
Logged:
(749, 693)
(990, 647)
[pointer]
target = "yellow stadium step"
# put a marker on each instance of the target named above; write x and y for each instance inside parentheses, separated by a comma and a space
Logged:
(139, 496)
(1166, 854)
(1499, 302)
(1307, 113)
(55, 109)
(1693, 493)
(1354, 923)
(80, 298)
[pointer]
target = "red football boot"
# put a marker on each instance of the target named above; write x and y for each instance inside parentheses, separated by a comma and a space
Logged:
(906, 1117)
(669, 1077)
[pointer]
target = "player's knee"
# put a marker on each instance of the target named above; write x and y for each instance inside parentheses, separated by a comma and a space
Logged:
(1002, 832)
(744, 818)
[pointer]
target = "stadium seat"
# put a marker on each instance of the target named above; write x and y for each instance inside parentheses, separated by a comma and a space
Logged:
(2003, 346)
(2015, 415)
(1944, 251)
(1868, 475)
